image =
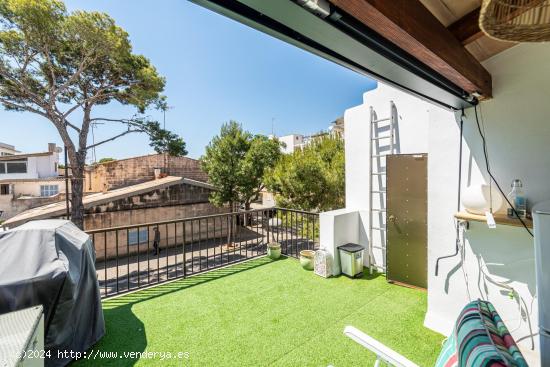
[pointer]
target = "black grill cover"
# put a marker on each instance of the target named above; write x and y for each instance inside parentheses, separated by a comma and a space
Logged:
(52, 263)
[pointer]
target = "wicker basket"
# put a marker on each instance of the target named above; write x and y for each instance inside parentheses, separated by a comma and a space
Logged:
(516, 20)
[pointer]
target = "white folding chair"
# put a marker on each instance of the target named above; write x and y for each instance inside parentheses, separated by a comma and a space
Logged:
(383, 353)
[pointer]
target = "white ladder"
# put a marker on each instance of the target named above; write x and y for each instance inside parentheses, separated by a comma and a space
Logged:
(382, 143)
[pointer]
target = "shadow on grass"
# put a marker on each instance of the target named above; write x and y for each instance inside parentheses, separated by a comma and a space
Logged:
(366, 275)
(184, 283)
(126, 332)
(125, 335)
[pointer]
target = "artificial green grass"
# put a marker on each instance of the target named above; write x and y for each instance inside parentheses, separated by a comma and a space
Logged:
(265, 312)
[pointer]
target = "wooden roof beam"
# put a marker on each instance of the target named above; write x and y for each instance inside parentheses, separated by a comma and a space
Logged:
(466, 29)
(410, 26)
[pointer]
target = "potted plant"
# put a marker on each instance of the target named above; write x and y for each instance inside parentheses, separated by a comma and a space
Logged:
(307, 259)
(274, 250)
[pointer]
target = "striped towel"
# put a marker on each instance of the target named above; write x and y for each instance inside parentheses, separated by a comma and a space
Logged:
(480, 339)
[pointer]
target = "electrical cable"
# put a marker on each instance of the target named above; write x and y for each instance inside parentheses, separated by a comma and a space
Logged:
(464, 272)
(490, 180)
(486, 156)
(514, 294)
(457, 225)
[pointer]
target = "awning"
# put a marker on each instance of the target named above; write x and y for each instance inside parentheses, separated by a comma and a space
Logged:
(341, 37)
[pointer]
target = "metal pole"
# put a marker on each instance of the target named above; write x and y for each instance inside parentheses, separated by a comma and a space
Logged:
(67, 185)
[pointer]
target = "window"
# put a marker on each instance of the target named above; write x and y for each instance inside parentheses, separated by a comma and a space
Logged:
(49, 190)
(16, 167)
(4, 189)
(133, 236)
(2, 167)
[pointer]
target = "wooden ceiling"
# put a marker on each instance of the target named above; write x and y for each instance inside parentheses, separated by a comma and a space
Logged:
(444, 35)
(412, 27)
(460, 16)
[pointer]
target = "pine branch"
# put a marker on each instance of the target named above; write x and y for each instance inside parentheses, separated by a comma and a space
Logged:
(114, 138)
(23, 107)
(91, 100)
(39, 101)
(74, 127)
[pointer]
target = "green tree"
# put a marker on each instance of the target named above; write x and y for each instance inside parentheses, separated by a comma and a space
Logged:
(107, 159)
(261, 156)
(62, 65)
(165, 141)
(236, 161)
(311, 178)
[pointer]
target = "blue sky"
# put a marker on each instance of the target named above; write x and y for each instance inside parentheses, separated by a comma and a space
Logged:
(216, 70)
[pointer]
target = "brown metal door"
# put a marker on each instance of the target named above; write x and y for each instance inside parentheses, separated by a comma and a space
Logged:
(406, 219)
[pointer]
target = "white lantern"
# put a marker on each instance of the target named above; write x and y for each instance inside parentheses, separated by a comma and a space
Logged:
(477, 199)
(323, 263)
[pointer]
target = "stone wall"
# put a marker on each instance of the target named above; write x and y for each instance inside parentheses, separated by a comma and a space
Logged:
(11, 206)
(131, 171)
(171, 234)
(173, 203)
(180, 194)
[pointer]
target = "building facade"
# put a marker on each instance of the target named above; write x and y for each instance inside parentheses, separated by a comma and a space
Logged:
(162, 200)
(28, 180)
(297, 141)
(291, 142)
(7, 149)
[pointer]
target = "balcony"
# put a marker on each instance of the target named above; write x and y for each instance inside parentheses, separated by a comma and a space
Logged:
(137, 256)
(211, 297)
(262, 312)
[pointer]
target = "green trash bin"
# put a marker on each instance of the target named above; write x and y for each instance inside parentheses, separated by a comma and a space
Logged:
(351, 259)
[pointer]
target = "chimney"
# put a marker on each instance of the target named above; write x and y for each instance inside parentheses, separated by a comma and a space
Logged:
(51, 147)
(157, 172)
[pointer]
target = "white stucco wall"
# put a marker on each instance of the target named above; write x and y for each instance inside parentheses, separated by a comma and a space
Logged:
(517, 130)
(518, 134)
(37, 167)
(46, 165)
(291, 142)
(32, 188)
(411, 137)
(7, 149)
(339, 227)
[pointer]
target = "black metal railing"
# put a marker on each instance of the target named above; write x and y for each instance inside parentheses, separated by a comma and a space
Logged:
(136, 256)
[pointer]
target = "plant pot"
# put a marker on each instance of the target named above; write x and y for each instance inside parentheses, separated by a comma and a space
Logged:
(274, 250)
(307, 259)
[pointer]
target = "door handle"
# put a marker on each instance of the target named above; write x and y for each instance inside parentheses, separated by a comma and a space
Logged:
(392, 218)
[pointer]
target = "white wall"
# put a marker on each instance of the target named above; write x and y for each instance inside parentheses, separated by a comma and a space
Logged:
(32, 188)
(6, 149)
(37, 167)
(46, 165)
(411, 137)
(357, 164)
(517, 126)
(339, 227)
(291, 142)
(517, 129)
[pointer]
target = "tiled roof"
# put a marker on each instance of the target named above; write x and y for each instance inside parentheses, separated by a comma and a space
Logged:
(59, 208)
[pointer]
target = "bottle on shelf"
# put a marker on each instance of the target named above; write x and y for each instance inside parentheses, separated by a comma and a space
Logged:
(518, 200)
